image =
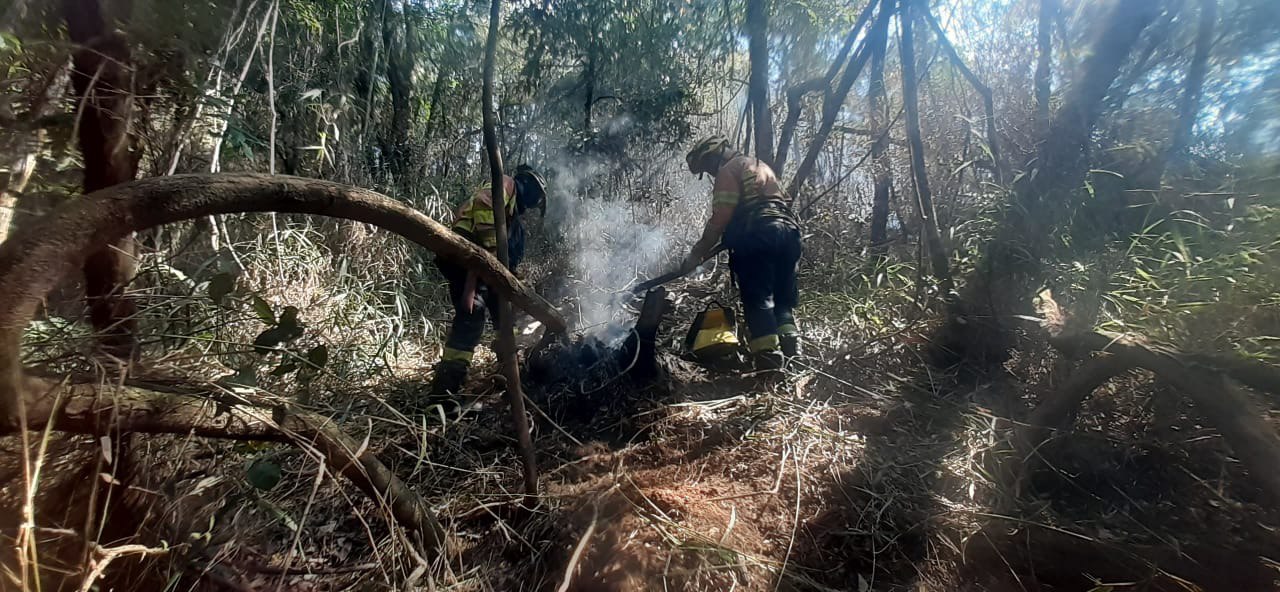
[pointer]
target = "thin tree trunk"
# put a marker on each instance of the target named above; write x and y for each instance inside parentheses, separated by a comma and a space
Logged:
(399, 79)
(880, 164)
(924, 198)
(797, 93)
(984, 91)
(103, 83)
(367, 75)
(758, 84)
(20, 171)
(506, 322)
(209, 90)
(795, 107)
(1189, 102)
(220, 130)
(437, 90)
(1044, 58)
(271, 93)
(833, 102)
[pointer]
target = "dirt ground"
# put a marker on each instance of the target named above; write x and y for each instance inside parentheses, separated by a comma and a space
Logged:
(860, 472)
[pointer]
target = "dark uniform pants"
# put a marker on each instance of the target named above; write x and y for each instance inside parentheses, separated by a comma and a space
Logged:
(468, 326)
(764, 265)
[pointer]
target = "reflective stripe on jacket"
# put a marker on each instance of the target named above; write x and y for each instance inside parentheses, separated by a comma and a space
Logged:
(474, 218)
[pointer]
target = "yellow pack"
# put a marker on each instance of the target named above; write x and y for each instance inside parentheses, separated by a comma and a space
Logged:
(713, 333)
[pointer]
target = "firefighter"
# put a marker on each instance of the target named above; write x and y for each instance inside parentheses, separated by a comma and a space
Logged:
(750, 216)
(471, 298)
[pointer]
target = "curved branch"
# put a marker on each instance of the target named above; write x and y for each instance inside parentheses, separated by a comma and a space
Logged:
(84, 409)
(32, 262)
(988, 99)
(797, 93)
(1222, 402)
(834, 100)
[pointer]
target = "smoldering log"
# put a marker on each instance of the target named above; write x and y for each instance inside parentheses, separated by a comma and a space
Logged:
(591, 362)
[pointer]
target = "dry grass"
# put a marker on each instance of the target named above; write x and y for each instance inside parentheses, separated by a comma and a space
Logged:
(865, 469)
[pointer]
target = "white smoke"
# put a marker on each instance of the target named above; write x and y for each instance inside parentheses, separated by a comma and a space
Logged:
(613, 238)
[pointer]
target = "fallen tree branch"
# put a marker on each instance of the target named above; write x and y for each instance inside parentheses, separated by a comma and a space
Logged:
(33, 261)
(1221, 402)
(86, 409)
(1254, 374)
(1058, 410)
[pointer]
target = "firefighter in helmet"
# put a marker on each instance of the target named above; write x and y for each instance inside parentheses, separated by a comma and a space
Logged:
(751, 217)
(524, 190)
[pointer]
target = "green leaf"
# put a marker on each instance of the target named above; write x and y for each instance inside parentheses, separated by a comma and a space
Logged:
(220, 286)
(263, 475)
(318, 356)
(263, 309)
(9, 42)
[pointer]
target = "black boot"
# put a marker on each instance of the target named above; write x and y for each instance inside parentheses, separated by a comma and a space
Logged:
(790, 345)
(448, 378)
(447, 381)
(769, 360)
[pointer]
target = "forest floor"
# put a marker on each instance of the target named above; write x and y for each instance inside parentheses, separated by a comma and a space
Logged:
(862, 469)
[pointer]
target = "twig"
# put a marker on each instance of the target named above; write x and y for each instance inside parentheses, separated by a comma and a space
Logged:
(578, 550)
(529, 402)
(297, 535)
(795, 525)
(105, 555)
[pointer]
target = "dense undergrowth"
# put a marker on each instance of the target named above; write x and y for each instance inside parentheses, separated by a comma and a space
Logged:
(875, 464)
(866, 468)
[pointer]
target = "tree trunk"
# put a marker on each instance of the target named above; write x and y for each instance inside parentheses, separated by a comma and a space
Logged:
(758, 84)
(1189, 102)
(1011, 268)
(20, 171)
(506, 324)
(834, 100)
(589, 78)
(938, 257)
(433, 115)
(1044, 58)
(400, 81)
(102, 79)
(880, 165)
(984, 91)
(366, 76)
(795, 106)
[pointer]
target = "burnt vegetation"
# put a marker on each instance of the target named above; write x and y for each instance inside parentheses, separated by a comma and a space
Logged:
(1038, 296)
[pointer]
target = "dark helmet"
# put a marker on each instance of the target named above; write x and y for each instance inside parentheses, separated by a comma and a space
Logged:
(531, 189)
(703, 149)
